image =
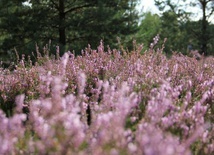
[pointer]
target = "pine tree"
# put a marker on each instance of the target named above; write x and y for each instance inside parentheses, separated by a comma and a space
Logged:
(71, 24)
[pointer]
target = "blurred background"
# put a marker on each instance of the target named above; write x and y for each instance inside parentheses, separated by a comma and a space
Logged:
(73, 24)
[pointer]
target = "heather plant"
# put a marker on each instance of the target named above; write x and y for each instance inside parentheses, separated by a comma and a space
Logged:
(107, 101)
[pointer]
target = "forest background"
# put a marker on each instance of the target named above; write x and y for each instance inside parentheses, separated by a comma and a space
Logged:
(73, 24)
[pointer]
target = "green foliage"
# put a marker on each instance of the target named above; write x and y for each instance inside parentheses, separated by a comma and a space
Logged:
(171, 28)
(181, 31)
(70, 24)
(149, 27)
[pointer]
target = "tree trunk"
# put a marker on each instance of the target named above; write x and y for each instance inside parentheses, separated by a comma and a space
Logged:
(62, 36)
(204, 37)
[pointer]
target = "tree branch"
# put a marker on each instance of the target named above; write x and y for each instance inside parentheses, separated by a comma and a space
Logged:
(78, 7)
(210, 13)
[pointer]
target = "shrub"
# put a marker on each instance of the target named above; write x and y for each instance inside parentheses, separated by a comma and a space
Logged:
(108, 102)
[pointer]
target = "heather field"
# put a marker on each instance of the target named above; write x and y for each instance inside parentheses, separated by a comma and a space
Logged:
(108, 102)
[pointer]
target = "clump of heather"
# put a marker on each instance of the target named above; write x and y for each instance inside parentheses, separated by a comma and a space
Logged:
(11, 129)
(108, 101)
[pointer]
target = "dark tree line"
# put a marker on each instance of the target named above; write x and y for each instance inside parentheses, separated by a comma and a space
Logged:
(72, 24)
